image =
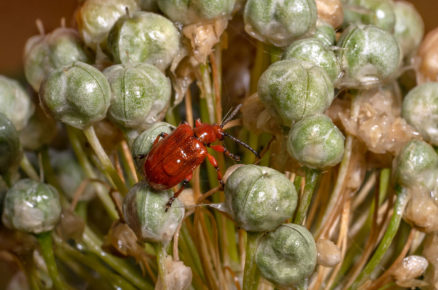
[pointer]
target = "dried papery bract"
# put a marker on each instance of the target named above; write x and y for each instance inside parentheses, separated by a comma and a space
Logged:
(259, 198)
(95, 18)
(144, 37)
(44, 54)
(409, 27)
(143, 143)
(411, 267)
(294, 89)
(287, 256)
(40, 130)
(257, 118)
(15, 103)
(330, 11)
(420, 110)
(140, 95)
(422, 210)
(368, 56)
(78, 95)
(375, 12)
(427, 63)
(279, 22)
(378, 122)
(329, 255)
(177, 275)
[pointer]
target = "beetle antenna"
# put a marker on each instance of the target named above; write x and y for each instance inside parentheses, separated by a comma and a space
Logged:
(230, 116)
(243, 144)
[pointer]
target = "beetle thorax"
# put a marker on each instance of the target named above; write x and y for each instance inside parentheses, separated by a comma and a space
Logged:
(208, 133)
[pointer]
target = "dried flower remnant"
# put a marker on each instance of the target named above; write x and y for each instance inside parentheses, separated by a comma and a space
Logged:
(427, 63)
(177, 276)
(257, 118)
(329, 255)
(377, 123)
(430, 252)
(422, 210)
(330, 11)
(410, 268)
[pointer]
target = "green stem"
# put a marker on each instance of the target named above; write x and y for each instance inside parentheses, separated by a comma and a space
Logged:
(129, 173)
(312, 182)
(192, 251)
(251, 275)
(207, 91)
(160, 250)
(46, 246)
(28, 168)
(394, 223)
(102, 193)
(94, 244)
(108, 167)
(253, 141)
(30, 271)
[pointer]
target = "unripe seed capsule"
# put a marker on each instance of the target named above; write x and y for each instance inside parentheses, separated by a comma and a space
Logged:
(10, 149)
(287, 256)
(409, 26)
(375, 12)
(32, 207)
(325, 33)
(259, 198)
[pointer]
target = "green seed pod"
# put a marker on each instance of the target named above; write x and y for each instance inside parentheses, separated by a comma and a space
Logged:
(77, 95)
(192, 11)
(143, 143)
(140, 94)
(10, 149)
(144, 210)
(31, 206)
(144, 37)
(69, 174)
(44, 54)
(316, 142)
(314, 51)
(414, 159)
(420, 110)
(294, 89)
(287, 256)
(409, 27)
(148, 5)
(15, 103)
(325, 33)
(279, 22)
(259, 198)
(368, 55)
(95, 18)
(379, 13)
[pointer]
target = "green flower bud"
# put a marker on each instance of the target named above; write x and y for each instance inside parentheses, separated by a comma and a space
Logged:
(314, 51)
(316, 142)
(44, 54)
(294, 89)
(140, 94)
(259, 198)
(420, 110)
(77, 95)
(40, 130)
(279, 22)
(148, 5)
(10, 149)
(15, 103)
(192, 11)
(69, 174)
(325, 33)
(144, 37)
(414, 159)
(368, 55)
(375, 12)
(95, 18)
(144, 210)
(143, 143)
(287, 256)
(31, 206)
(409, 27)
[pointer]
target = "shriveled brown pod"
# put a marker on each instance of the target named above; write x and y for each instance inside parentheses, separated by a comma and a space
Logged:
(410, 268)
(427, 65)
(330, 11)
(329, 255)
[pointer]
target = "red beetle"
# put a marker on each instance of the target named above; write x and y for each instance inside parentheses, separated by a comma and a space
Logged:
(173, 158)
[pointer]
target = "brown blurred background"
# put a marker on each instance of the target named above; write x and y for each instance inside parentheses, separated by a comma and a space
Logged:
(17, 24)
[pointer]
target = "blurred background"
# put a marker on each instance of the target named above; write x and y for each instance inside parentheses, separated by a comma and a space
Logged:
(17, 24)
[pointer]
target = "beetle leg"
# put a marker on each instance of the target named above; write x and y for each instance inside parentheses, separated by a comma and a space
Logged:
(198, 123)
(220, 148)
(175, 195)
(140, 156)
(213, 162)
(161, 135)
